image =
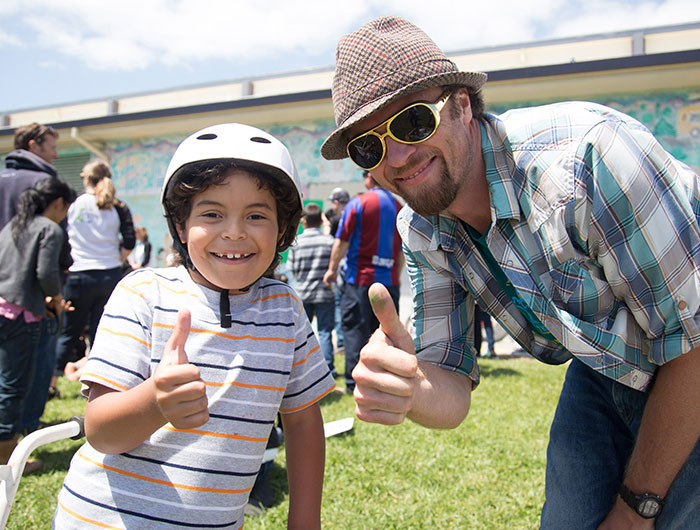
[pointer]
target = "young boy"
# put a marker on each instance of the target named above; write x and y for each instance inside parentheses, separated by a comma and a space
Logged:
(182, 401)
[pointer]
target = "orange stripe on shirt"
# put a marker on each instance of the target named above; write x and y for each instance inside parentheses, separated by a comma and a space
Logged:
(215, 434)
(224, 335)
(163, 285)
(306, 358)
(158, 481)
(85, 519)
(245, 385)
(282, 295)
(284, 411)
(126, 287)
(109, 381)
(119, 334)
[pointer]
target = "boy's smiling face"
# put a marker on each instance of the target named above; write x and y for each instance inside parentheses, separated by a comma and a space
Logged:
(231, 233)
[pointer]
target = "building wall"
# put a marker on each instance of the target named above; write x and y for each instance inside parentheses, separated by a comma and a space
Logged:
(139, 166)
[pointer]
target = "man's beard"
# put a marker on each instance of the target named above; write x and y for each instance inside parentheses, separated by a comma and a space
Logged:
(436, 200)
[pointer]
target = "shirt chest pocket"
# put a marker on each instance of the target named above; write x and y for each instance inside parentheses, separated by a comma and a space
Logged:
(582, 290)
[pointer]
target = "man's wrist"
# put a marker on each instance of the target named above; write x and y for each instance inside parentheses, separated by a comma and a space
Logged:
(647, 505)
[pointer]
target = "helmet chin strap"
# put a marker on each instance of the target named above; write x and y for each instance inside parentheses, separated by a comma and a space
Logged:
(225, 309)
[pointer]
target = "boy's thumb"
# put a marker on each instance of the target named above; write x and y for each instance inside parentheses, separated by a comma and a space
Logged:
(385, 311)
(174, 352)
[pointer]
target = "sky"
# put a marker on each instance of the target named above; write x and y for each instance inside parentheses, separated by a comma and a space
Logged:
(63, 51)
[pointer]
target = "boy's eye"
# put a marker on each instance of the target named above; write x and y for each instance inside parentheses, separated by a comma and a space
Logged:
(214, 215)
(257, 216)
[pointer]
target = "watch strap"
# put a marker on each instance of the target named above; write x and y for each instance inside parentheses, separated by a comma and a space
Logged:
(646, 505)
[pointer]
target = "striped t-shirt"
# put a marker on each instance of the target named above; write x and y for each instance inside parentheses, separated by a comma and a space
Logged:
(268, 361)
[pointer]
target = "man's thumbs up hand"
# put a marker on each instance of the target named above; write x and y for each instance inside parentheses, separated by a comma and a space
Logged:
(385, 376)
(179, 390)
(389, 324)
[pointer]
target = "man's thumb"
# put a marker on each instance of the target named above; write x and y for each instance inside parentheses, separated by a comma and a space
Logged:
(174, 352)
(385, 311)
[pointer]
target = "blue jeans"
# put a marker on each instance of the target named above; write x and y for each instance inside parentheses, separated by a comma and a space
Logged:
(359, 323)
(592, 436)
(18, 346)
(88, 291)
(38, 392)
(338, 318)
(325, 322)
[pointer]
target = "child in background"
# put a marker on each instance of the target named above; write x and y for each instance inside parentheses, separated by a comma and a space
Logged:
(140, 257)
(182, 401)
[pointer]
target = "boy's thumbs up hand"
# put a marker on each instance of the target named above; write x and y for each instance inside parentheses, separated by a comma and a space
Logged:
(385, 376)
(179, 390)
(174, 352)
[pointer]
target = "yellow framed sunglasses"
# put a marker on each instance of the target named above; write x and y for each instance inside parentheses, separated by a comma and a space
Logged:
(411, 125)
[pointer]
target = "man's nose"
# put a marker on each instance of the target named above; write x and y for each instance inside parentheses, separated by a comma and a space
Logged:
(397, 154)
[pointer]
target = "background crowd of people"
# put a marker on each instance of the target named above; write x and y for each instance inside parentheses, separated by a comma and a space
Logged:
(61, 256)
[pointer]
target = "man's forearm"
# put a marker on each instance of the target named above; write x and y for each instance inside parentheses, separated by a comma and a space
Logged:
(442, 397)
(670, 427)
(338, 250)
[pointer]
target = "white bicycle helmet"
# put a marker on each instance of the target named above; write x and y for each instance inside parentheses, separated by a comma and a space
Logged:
(249, 147)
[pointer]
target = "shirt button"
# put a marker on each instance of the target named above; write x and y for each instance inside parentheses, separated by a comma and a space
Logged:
(682, 305)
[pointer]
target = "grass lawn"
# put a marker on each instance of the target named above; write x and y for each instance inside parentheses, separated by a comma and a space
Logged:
(486, 474)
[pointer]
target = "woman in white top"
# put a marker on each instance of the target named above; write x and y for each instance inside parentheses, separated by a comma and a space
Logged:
(101, 234)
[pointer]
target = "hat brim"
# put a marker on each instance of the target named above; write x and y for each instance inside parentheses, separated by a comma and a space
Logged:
(335, 146)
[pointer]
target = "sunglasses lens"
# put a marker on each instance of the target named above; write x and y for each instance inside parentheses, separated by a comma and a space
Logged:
(414, 124)
(366, 151)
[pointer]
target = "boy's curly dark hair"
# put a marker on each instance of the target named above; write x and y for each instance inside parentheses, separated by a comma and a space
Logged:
(193, 179)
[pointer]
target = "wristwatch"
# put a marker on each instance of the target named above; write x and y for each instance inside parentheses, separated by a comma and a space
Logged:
(647, 505)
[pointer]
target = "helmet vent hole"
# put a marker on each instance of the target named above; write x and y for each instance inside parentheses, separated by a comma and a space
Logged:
(260, 140)
(208, 136)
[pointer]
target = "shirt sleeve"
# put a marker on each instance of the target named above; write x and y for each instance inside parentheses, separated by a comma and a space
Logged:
(120, 358)
(310, 378)
(47, 268)
(443, 315)
(643, 210)
(348, 220)
(126, 226)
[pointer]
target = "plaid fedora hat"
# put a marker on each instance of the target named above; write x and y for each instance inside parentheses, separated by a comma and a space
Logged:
(382, 61)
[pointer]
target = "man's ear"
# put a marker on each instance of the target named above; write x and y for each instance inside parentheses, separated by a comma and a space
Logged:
(32, 146)
(464, 104)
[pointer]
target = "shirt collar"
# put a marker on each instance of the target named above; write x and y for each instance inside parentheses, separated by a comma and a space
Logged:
(500, 168)
(499, 164)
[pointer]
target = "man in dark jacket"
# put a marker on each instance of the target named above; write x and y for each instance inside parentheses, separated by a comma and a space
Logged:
(30, 162)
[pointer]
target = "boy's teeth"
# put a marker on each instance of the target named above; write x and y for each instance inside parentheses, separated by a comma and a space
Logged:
(232, 256)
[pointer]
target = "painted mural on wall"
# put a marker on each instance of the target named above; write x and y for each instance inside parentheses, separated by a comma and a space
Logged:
(139, 166)
(673, 118)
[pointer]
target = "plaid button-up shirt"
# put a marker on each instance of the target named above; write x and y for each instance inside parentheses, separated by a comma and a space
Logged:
(308, 260)
(594, 224)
